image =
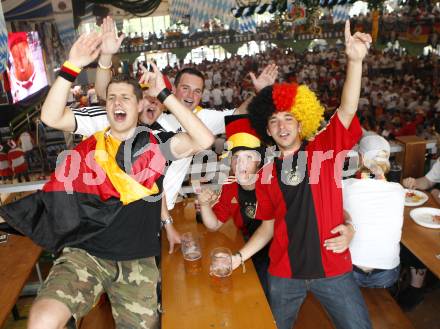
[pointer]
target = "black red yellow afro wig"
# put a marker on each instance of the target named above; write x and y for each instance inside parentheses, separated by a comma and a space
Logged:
(286, 97)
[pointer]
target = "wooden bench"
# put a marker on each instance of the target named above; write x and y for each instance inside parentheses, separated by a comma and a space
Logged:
(18, 257)
(384, 313)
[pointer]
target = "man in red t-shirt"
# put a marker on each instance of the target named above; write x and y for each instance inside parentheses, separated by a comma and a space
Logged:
(300, 199)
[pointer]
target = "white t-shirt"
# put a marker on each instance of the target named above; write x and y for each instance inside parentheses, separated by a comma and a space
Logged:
(217, 96)
(26, 142)
(92, 119)
(228, 92)
(91, 95)
(206, 96)
(434, 174)
(376, 209)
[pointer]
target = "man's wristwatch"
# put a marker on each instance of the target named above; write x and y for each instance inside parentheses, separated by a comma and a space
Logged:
(166, 221)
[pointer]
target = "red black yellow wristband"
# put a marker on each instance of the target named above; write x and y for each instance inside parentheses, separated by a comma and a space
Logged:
(69, 71)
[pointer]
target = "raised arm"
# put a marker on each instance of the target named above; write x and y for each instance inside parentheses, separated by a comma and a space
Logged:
(267, 78)
(356, 48)
(54, 112)
(109, 46)
(197, 137)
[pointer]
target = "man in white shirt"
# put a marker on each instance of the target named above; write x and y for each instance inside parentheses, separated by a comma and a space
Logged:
(228, 94)
(27, 146)
(91, 95)
(217, 78)
(217, 97)
(426, 182)
(206, 97)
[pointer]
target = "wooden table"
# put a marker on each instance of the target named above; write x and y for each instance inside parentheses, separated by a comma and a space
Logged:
(189, 301)
(423, 242)
(17, 259)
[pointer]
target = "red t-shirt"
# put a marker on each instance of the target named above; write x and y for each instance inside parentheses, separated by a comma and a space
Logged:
(239, 204)
(227, 205)
(306, 213)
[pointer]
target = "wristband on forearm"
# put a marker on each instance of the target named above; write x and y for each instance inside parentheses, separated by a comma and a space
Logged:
(69, 71)
(163, 95)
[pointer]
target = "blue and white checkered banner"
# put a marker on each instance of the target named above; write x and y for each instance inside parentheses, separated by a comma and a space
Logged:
(202, 11)
(247, 24)
(179, 11)
(341, 13)
(3, 42)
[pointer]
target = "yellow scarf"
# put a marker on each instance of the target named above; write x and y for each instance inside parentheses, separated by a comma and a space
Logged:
(105, 156)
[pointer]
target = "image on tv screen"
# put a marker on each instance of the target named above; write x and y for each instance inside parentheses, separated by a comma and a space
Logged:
(26, 70)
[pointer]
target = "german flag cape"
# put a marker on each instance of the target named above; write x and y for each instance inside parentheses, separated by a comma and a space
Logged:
(88, 189)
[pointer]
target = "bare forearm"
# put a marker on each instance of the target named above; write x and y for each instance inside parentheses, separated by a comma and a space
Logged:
(200, 135)
(350, 92)
(423, 183)
(242, 109)
(259, 239)
(54, 112)
(103, 76)
(209, 218)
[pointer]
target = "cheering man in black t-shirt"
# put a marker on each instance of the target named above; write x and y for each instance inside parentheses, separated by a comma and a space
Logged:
(102, 205)
(300, 199)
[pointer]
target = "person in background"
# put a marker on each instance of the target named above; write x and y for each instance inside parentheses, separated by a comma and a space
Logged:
(413, 295)
(375, 209)
(6, 172)
(91, 95)
(18, 162)
(426, 182)
(237, 198)
(27, 145)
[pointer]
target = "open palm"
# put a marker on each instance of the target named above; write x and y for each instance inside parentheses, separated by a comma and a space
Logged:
(85, 50)
(266, 78)
(110, 41)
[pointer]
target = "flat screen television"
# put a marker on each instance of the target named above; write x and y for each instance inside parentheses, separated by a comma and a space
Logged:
(26, 71)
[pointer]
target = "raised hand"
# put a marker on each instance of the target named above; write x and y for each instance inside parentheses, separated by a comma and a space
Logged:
(153, 79)
(206, 197)
(357, 45)
(110, 41)
(229, 180)
(266, 78)
(86, 49)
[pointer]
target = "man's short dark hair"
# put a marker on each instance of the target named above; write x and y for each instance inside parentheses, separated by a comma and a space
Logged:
(189, 70)
(124, 78)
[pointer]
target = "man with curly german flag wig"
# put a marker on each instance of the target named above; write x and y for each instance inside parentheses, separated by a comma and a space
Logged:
(102, 206)
(300, 199)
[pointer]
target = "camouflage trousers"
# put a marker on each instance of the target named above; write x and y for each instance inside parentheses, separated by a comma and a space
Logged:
(77, 279)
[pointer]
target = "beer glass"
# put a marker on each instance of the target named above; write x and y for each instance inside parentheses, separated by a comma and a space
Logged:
(192, 253)
(220, 269)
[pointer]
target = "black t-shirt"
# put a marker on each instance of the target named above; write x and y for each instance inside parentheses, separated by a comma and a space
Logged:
(135, 231)
(300, 220)
(248, 206)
